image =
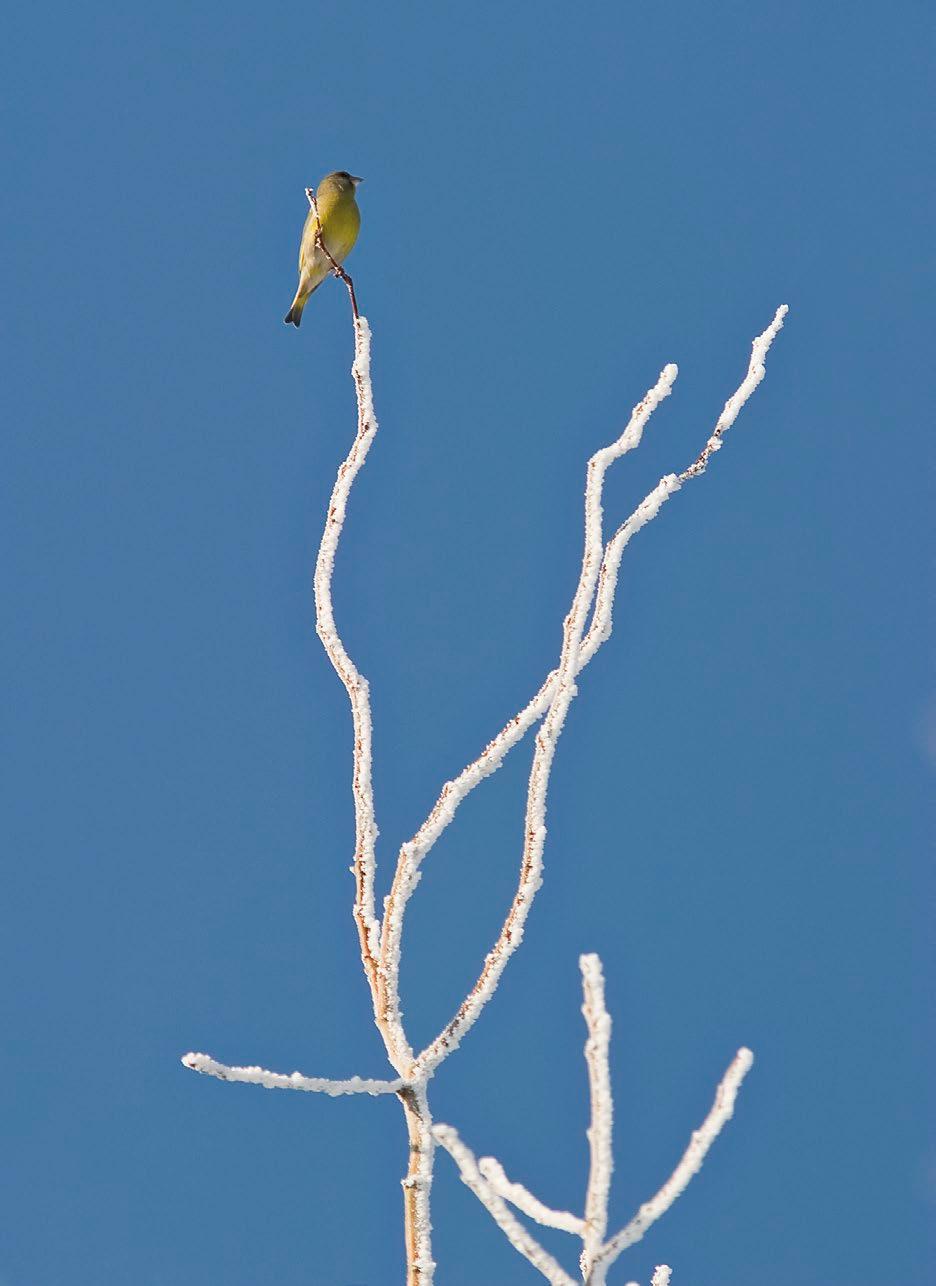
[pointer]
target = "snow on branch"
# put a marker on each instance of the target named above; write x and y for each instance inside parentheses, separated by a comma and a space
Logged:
(354, 682)
(487, 1179)
(661, 1276)
(525, 1201)
(594, 593)
(453, 792)
(562, 696)
(597, 1058)
(586, 627)
(294, 1081)
(756, 372)
(691, 1162)
(513, 1230)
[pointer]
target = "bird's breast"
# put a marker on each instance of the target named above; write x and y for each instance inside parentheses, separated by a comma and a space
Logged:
(340, 227)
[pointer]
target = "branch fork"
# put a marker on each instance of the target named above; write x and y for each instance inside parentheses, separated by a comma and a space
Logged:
(486, 1178)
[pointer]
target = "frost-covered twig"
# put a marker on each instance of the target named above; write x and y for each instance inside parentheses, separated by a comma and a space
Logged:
(487, 1180)
(597, 583)
(689, 1165)
(756, 372)
(498, 1209)
(380, 943)
(524, 1200)
(490, 759)
(294, 1081)
(354, 682)
(597, 1058)
(661, 1276)
(564, 692)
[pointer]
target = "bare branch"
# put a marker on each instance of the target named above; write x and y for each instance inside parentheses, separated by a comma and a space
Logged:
(294, 1081)
(380, 944)
(524, 1200)
(689, 1165)
(756, 372)
(510, 1226)
(597, 1046)
(453, 792)
(364, 866)
(417, 1185)
(487, 1179)
(564, 693)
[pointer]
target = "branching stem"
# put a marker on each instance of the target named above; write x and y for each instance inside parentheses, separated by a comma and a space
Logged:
(586, 627)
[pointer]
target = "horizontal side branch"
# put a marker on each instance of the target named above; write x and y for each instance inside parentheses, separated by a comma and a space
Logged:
(294, 1081)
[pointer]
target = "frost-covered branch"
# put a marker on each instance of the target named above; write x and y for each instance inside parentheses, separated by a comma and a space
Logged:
(525, 1201)
(563, 694)
(597, 585)
(585, 628)
(756, 372)
(294, 1081)
(498, 1209)
(491, 1186)
(690, 1164)
(454, 792)
(355, 684)
(597, 1058)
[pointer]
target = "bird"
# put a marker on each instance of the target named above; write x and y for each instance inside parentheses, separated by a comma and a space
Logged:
(340, 221)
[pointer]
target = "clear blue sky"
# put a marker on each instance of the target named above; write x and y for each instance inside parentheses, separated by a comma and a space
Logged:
(557, 202)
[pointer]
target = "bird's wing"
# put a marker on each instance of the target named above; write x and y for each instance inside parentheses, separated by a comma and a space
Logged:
(308, 248)
(313, 266)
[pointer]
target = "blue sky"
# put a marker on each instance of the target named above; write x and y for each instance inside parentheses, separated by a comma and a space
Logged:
(556, 204)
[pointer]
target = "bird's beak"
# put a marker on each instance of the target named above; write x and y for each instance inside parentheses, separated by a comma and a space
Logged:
(355, 180)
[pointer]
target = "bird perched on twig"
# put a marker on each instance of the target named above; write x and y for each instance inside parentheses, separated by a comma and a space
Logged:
(340, 220)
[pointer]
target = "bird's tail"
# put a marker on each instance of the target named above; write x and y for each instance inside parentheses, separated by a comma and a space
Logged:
(294, 315)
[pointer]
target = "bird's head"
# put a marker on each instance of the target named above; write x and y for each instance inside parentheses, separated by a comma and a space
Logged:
(340, 181)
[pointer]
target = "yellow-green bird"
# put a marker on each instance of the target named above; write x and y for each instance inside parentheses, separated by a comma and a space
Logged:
(340, 219)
